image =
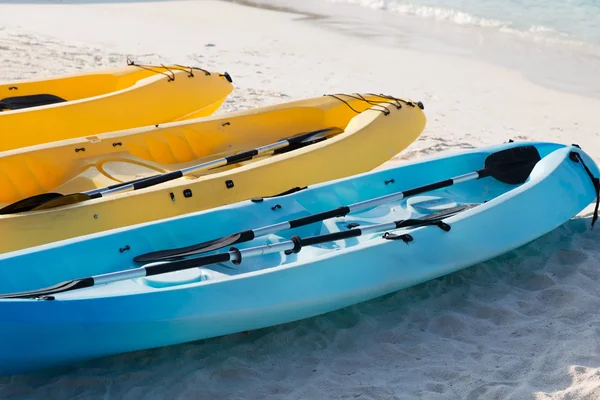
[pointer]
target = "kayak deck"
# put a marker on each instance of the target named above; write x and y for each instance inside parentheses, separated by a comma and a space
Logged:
(371, 133)
(89, 163)
(276, 288)
(120, 246)
(105, 101)
(411, 208)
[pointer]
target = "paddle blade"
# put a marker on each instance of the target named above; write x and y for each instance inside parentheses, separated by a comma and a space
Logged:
(63, 201)
(512, 166)
(308, 136)
(29, 203)
(203, 247)
(58, 288)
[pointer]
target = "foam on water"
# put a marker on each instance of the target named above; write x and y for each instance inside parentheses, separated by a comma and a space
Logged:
(566, 21)
(545, 40)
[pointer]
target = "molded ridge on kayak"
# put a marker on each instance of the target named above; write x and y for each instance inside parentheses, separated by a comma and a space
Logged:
(39, 111)
(373, 129)
(487, 218)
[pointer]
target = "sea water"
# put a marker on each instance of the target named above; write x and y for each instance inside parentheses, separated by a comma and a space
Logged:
(554, 43)
(575, 21)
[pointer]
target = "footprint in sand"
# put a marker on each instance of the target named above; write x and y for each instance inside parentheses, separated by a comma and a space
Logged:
(447, 325)
(556, 297)
(570, 257)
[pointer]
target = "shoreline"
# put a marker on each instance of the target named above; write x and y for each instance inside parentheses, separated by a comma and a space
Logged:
(486, 44)
(283, 9)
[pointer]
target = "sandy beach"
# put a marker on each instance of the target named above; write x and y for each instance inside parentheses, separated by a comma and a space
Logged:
(522, 326)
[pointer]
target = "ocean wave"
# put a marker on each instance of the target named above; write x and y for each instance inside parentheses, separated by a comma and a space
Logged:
(437, 13)
(443, 14)
(542, 29)
(533, 31)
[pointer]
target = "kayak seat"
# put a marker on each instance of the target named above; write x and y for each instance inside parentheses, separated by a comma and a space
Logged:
(34, 100)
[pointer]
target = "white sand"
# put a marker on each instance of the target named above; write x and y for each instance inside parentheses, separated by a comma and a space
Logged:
(522, 326)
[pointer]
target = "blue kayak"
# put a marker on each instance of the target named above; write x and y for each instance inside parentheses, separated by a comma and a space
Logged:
(268, 261)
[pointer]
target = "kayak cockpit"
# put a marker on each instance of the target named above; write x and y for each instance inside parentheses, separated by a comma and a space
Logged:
(31, 269)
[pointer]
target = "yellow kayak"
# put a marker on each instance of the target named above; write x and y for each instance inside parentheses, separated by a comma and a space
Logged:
(40, 111)
(361, 132)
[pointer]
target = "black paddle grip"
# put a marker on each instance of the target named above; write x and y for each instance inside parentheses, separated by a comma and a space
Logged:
(330, 237)
(157, 179)
(245, 236)
(186, 264)
(303, 136)
(82, 283)
(309, 219)
(484, 173)
(427, 188)
(243, 156)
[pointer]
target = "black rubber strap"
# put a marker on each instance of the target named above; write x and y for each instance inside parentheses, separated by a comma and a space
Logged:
(297, 240)
(575, 156)
(392, 236)
(238, 259)
(414, 223)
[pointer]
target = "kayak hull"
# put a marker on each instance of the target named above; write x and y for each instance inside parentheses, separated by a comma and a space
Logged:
(274, 289)
(370, 137)
(108, 100)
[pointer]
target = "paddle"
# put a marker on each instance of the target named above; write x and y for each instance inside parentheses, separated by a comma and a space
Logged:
(511, 166)
(236, 255)
(50, 200)
(32, 202)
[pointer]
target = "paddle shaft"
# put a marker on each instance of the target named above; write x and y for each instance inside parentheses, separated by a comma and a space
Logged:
(50, 200)
(235, 255)
(243, 156)
(500, 169)
(116, 185)
(344, 210)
